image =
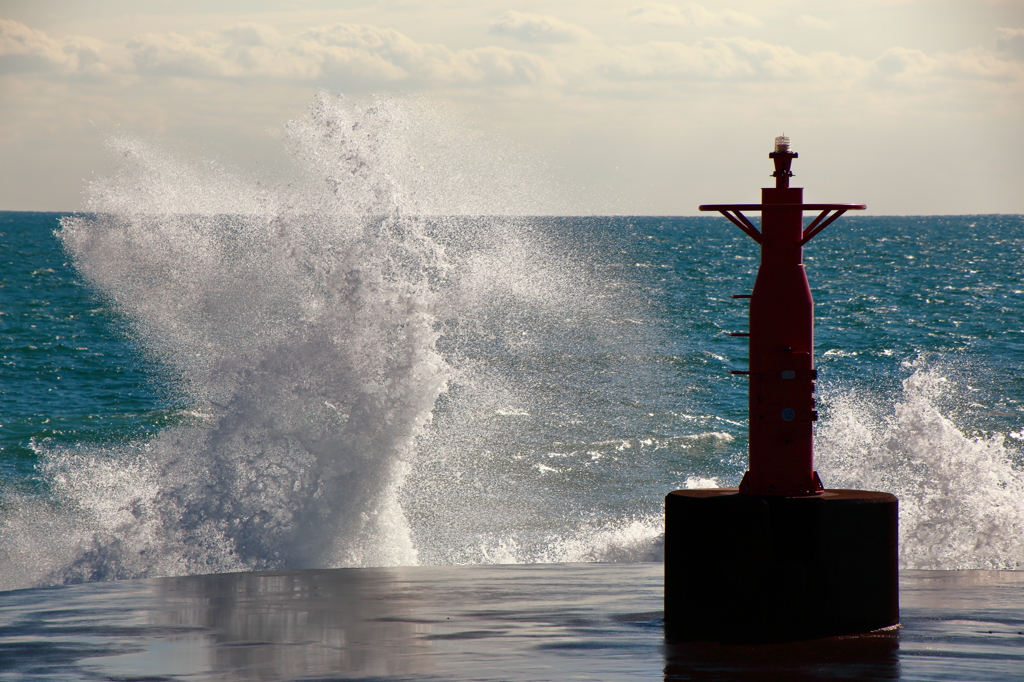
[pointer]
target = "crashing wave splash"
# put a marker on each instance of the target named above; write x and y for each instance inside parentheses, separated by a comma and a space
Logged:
(304, 326)
(961, 498)
(301, 321)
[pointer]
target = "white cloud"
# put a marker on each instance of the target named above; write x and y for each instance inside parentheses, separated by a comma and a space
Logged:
(690, 15)
(917, 70)
(731, 59)
(673, 60)
(375, 52)
(23, 49)
(902, 62)
(979, 63)
(341, 54)
(1010, 42)
(536, 28)
(814, 23)
(170, 54)
(348, 56)
(21, 45)
(250, 34)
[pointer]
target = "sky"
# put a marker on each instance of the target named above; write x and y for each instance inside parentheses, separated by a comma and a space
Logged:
(914, 107)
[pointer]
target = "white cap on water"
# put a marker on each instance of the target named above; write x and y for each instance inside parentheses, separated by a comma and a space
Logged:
(782, 143)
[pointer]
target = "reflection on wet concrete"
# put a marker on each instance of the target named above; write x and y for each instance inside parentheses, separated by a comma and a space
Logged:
(481, 622)
(962, 625)
(271, 626)
(525, 622)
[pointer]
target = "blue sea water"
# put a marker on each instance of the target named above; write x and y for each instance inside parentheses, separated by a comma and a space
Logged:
(206, 373)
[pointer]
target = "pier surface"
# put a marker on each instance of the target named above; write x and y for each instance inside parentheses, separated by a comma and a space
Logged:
(514, 622)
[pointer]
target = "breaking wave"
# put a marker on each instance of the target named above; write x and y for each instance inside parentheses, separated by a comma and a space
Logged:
(961, 497)
(299, 322)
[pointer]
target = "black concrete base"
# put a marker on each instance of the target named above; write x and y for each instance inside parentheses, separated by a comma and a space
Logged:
(744, 568)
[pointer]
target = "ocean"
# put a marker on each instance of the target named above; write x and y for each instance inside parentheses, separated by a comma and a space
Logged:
(205, 372)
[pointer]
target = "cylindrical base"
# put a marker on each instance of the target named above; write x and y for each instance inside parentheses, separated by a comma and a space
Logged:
(746, 568)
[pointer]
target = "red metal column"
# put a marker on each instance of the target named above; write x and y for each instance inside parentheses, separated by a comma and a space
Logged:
(781, 356)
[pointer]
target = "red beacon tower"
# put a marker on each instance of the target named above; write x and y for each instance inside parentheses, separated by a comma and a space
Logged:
(781, 557)
(781, 334)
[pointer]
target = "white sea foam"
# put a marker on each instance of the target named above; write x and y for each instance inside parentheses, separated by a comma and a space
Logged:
(698, 482)
(626, 540)
(961, 498)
